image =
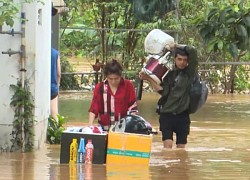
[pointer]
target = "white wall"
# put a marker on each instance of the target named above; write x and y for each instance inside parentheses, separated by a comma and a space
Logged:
(37, 43)
(9, 74)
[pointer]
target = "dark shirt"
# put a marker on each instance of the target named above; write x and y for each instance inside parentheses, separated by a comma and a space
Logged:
(176, 84)
(54, 72)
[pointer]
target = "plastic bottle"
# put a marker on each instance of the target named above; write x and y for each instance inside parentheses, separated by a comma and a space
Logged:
(156, 41)
(89, 152)
(73, 151)
(81, 151)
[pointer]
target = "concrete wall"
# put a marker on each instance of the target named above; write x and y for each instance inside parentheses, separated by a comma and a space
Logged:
(37, 43)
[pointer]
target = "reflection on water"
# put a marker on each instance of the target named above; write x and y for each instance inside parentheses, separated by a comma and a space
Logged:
(114, 172)
(218, 148)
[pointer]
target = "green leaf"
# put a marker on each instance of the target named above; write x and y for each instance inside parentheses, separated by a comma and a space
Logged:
(204, 31)
(241, 30)
(233, 50)
(248, 31)
(224, 32)
(55, 129)
(230, 20)
(220, 44)
(223, 14)
(246, 20)
(242, 43)
(212, 45)
(210, 48)
(240, 5)
(212, 13)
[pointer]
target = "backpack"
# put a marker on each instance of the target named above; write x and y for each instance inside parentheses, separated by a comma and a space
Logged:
(198, 94)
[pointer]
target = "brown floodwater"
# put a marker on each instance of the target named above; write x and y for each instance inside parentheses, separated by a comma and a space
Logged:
(218, 148)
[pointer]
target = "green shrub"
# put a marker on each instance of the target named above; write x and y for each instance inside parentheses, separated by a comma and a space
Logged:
(55, 129)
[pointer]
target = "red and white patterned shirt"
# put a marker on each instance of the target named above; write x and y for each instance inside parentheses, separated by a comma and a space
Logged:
(124, 101)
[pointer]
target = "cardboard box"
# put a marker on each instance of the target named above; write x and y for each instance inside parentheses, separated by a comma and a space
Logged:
(99, 141)
(128, 148)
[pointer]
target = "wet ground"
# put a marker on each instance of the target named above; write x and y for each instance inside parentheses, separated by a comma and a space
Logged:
(218, 148)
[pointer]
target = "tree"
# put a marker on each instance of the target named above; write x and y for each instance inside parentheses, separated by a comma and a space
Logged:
(152, 10)
(8, 11)
(226, 30)
(103, 30)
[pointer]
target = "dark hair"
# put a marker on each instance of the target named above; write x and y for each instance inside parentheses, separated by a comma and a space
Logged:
(180, 51)
(54, 11)
(113, 67)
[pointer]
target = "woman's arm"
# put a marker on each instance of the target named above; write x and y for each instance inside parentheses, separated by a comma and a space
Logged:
(91, 118)
(94, 106)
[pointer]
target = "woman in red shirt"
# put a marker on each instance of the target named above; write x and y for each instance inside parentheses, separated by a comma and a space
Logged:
(113, 97)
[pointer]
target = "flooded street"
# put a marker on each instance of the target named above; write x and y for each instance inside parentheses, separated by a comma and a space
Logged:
(218, 147)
